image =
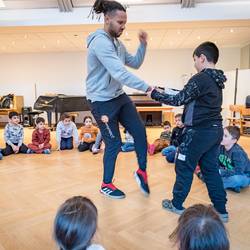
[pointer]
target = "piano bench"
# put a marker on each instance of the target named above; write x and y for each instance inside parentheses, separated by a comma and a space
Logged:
(73, 116)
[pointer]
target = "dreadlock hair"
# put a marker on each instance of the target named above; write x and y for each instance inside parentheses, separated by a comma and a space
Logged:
(105, 7)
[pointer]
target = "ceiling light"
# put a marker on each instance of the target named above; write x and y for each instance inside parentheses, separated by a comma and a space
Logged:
(178, 32)
(44, 47)
(2, 5)
(198, 37)
(231, 30)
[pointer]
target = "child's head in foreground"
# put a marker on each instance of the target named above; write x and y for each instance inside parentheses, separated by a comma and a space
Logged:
(200, 228)
(75, 223)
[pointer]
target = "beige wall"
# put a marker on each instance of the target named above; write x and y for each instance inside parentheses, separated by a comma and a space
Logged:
(245, 57)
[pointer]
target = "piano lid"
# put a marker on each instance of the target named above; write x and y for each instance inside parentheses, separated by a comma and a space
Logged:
(140, 99)
(61, 103)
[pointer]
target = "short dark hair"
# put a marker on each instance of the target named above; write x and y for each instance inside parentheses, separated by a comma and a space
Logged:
(179, 115)
(166, 123)
(208, 49)
(75, 223)
(234, 131)
(106, 7)
(65, 116)
(40, 119)
(87, 117)
(200, 228)
(13, 113)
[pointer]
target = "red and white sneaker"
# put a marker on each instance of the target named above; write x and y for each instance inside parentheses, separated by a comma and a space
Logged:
(112, 191)
(142, 180)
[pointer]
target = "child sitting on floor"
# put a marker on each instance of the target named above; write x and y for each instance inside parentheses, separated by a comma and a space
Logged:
(13, 136)
(65, 132)
(175, 140)
(75, 224)
(88, 136)
(234, 162)
(40, 138)
(163, 141)
(129, 144)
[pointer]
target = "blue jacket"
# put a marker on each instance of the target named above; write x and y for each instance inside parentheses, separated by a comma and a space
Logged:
(106, 60)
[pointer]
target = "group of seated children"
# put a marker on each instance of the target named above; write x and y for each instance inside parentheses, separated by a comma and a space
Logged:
(169, 141)
(14, 135)
(233, 160)
(66, 133)
(234, 164)
(199, 227)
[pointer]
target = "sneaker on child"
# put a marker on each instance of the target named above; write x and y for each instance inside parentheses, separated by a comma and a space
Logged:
(224, 217)
(142, 180)
(46, 151)
(168, 205)
(111, 191)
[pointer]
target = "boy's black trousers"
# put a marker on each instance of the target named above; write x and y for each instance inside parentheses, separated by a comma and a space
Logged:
(200, 146)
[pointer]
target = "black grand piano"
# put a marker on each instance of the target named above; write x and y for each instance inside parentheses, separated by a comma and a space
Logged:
(60, 104)
(66, 103)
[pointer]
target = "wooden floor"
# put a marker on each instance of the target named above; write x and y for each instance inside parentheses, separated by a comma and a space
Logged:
(33, 186)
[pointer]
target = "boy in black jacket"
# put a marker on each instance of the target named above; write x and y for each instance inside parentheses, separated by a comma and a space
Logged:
(203, 132)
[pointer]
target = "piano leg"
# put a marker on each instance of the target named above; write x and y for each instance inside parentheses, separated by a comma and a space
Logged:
(49, 116)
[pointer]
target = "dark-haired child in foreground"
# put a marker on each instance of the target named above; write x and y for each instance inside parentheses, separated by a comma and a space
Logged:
(75, 224)
(200, 228)
(203, 132)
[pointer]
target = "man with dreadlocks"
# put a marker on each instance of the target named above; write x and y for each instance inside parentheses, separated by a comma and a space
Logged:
(107, 74)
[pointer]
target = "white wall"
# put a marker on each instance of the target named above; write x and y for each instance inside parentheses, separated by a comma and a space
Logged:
(65, 73)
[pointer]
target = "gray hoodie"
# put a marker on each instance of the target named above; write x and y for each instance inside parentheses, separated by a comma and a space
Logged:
(106, 71)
